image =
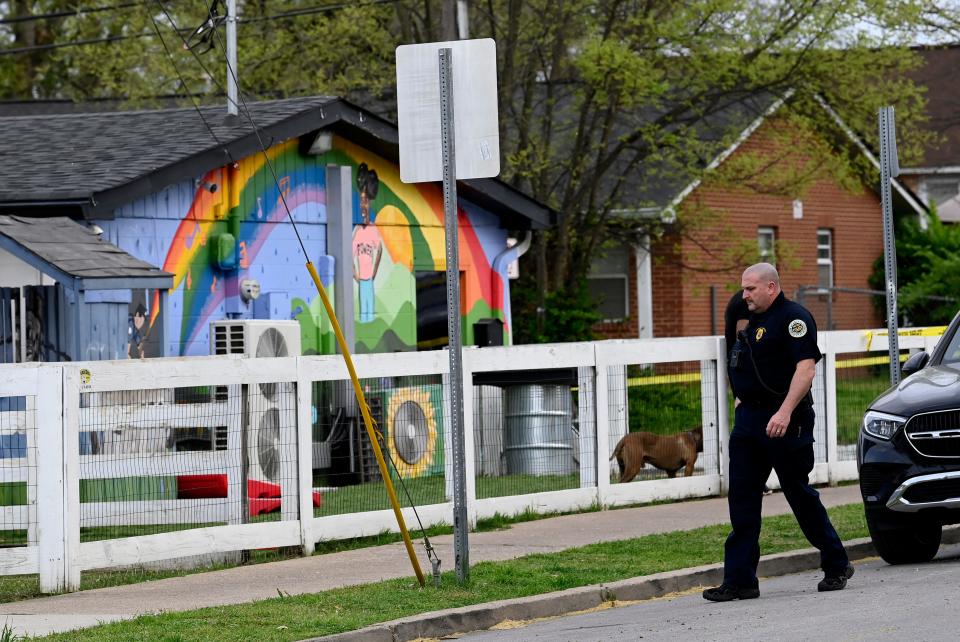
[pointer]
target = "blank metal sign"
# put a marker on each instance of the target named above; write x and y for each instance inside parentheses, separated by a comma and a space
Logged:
(476, 127)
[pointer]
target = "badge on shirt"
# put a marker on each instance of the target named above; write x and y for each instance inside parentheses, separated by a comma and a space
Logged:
(759, 334)
(797, 328)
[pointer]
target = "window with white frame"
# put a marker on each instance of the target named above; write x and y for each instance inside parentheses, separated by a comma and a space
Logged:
(609, 283)
(766, 243)
(824, 259)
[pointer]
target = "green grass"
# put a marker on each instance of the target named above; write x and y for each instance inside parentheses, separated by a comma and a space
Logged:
(665, 408)
(854, 394)
(299, 617)
(430, 490)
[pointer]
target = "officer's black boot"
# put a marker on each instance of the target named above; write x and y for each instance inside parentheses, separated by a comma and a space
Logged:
(726, 593)
(836, 582)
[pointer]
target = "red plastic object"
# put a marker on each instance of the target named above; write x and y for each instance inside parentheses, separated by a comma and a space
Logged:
(264, 496)
(257, 488)
(263, 505)
(201, 486)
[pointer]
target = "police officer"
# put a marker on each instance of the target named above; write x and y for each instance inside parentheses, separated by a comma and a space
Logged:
(771, 368)
(735, 318)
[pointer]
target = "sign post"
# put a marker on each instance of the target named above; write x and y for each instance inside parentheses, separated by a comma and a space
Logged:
(463, 73)
(889, 168)
(461, 548)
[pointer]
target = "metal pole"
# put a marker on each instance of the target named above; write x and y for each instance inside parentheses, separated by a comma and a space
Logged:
(460, 545)
(830, 309)
(889, 167)
(713, 310)
(232, 76)
(463, 20)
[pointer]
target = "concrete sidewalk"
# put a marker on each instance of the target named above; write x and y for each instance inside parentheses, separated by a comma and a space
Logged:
(323, 572)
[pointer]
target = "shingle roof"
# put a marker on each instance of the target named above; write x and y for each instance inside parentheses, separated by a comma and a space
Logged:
(76, 156)
(98, 161)
(68, 251)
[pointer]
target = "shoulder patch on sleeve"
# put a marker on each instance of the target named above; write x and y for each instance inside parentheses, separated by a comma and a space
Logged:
(797, 328)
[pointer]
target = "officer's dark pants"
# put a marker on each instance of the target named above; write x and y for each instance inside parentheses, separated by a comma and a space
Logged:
(752, 455)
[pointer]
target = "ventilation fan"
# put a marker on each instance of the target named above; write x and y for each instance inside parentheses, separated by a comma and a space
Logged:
(268, 444)
(414, 430)
(411, 436)
(271, 344)
(271, 442)
(271, 407)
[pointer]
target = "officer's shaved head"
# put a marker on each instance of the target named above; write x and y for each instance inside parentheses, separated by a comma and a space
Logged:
(764, 272)
(761, 285)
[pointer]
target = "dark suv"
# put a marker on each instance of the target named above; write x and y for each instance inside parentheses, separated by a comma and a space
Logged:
(908, 455)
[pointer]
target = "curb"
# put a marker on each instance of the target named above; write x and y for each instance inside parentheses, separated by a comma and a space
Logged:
(438, 624)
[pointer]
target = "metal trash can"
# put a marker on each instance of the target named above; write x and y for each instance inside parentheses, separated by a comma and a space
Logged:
(488, 430)
(538, 439)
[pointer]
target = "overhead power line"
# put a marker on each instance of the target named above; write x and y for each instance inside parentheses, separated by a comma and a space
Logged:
(150, 34)
(79, 11)
(72, 43)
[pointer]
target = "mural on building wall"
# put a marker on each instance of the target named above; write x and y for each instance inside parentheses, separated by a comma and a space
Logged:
(235, 228)
(367, 244)
(145, 329)
(409, 220)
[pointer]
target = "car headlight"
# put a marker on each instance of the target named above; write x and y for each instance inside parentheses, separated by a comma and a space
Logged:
(881, 425)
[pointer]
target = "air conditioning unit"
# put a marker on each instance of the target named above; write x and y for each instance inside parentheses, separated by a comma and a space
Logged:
(414, 429)
(255, 337)
(272, 412)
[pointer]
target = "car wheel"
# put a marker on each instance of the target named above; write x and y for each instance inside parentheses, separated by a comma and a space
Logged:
(912, 544)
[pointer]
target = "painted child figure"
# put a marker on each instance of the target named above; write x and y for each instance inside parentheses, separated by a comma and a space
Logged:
(367, 244)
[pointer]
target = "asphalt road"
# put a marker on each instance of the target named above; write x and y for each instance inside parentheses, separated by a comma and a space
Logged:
(881, 602)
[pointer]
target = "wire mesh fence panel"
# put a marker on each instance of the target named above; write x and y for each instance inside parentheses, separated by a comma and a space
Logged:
(18, 471)
(410, 416)
(664, 421)
(861, 377)
(708, 459)
(820, 413)
(585, 418)
(527, 433)
(160, 460)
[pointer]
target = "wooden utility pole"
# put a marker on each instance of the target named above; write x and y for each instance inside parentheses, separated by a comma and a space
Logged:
(448, 20)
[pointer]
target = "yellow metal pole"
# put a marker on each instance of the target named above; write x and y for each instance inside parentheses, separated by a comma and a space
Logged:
(368, 422)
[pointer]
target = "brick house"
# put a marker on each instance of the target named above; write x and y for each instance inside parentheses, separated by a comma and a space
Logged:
(827, 238)
(936, 179)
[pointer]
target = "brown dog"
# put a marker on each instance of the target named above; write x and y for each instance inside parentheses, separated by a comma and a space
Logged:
(666, 452)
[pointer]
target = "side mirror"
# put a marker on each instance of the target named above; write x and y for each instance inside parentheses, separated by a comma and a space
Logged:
(915, 363)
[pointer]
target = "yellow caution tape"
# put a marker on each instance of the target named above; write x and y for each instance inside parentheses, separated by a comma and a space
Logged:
(934, 331)
(661, 379)
(692, 377)
(866, 361)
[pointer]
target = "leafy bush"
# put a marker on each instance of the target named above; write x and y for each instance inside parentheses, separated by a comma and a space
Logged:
(928, 265)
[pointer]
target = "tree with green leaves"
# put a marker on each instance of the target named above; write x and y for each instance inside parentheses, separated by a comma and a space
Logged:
(603, 104)
(135, 51)
(928, 271)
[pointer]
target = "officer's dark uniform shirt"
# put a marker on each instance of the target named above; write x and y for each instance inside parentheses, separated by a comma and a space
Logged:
(772, 345)
(736, 310)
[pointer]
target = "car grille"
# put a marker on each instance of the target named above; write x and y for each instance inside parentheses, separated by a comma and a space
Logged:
(935, 434)
(933, 491)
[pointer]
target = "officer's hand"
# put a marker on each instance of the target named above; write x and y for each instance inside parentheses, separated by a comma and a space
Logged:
(777, 426)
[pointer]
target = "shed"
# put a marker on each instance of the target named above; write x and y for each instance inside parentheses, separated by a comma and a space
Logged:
(87, 302)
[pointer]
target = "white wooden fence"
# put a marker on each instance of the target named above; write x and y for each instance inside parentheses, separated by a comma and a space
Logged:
(52, 419)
